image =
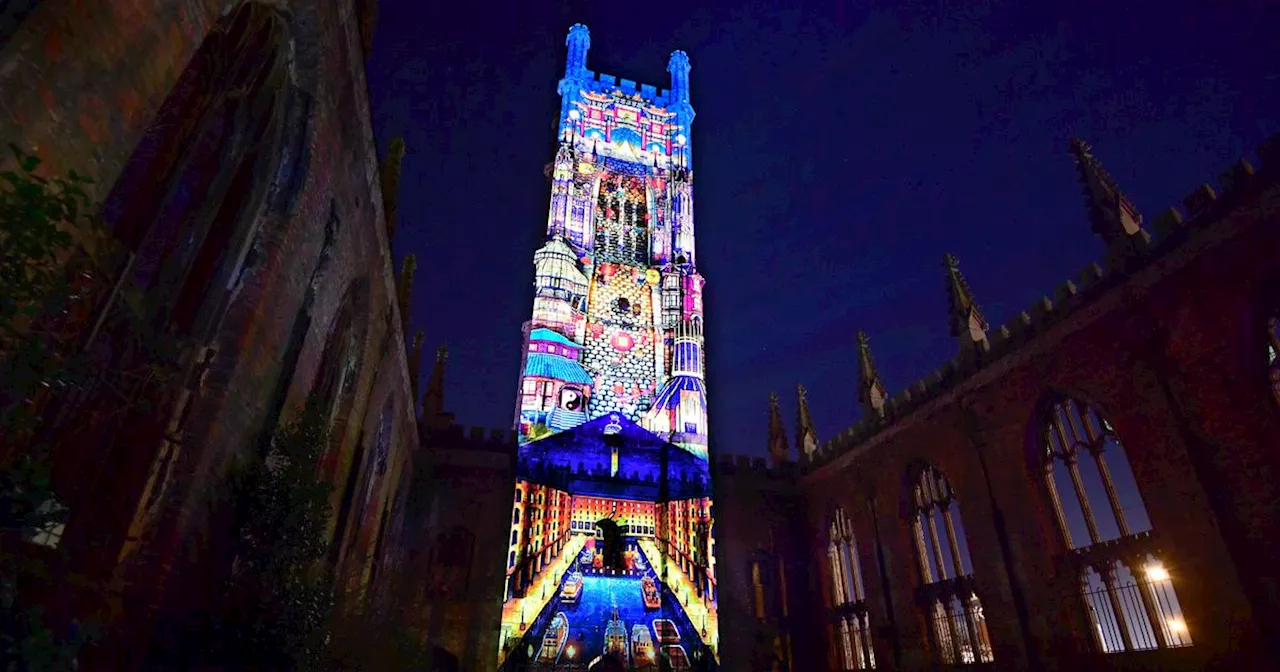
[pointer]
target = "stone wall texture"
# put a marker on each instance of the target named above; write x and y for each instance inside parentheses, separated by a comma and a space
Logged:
(83, 82)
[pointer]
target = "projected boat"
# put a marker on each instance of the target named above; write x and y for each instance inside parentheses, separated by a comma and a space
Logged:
(676, 658)
(572, 589)
(553, 641)
(642, 648)
(649, 589)
(665, 631)
(615, 637)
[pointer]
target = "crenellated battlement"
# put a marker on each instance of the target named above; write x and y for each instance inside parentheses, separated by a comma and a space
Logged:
(746, 465)
(475, 434)
(599, 82)
(1203, 206)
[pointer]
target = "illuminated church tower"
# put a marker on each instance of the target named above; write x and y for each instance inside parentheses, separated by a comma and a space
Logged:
(617, 314)
(612, 542)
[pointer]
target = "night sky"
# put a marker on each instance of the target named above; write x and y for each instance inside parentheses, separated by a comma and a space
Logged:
(840, 148)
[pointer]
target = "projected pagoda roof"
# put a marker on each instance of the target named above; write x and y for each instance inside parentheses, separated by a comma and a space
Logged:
(581, 461)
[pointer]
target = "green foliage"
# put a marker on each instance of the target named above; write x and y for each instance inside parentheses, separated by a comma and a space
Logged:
(278, 600)
(35, 213)
(39, 220)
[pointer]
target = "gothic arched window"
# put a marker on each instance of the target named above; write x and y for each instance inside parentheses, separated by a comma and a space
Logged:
(957, 621)
(848, 597)
(184, 208)
(1125, 585)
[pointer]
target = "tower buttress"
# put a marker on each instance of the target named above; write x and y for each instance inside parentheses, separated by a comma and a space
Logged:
(806, 437)
(578, 41)
(778, 448)
(871, 392)
(575, 74)
(1111, 215)
(967, 324)
(679, 67)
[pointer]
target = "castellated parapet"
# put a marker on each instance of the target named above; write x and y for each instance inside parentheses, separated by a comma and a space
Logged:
(746, 465)
(495, 436)
(1174, 229)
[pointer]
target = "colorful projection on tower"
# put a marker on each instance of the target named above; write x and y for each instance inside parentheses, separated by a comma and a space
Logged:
(611, 542)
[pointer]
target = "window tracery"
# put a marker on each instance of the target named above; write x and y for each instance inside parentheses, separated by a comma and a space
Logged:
(1125, 585)
(955, 612)
(848, 597)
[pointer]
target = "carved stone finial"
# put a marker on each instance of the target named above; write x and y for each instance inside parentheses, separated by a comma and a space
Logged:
(389, 174)
(871, 392)
(433, 400)
(967, 323)
(806, 437)
(404, 291)
(778, 448)
(1112, 216)
(415, 362)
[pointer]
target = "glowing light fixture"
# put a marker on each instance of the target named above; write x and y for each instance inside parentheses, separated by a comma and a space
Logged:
(1157, 573)
(1178, 626)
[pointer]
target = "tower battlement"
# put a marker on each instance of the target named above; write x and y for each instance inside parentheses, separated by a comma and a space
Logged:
(475, 434)
(746, 465)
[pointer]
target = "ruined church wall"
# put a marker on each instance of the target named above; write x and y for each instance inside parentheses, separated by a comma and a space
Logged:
(1202, 456)
(83, 80)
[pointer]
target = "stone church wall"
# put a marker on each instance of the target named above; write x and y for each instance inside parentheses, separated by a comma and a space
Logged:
(83, 82)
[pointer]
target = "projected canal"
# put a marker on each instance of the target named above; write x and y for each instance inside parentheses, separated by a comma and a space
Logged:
(608, 613)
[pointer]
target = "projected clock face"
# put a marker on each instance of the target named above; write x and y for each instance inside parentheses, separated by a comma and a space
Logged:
(571, 399)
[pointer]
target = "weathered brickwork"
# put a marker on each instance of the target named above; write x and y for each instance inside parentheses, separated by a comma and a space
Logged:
(1170, 347)
(84, 81)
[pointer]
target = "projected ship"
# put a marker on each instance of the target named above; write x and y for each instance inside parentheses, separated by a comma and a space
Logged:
(650, 591)
(572, 588)
(553, 641)
(615, 637)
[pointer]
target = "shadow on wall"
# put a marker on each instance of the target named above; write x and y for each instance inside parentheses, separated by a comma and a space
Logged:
(443, 661)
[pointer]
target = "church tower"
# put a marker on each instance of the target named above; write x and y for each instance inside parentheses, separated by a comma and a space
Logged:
(617, 324)
(613, 481)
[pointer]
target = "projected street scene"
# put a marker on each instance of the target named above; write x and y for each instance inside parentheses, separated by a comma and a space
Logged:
(617, 527)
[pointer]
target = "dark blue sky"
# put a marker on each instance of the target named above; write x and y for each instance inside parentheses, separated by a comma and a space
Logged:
(840, 149)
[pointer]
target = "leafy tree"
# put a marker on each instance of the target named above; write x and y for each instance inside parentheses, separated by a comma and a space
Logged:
(277, 602)
(40, 221)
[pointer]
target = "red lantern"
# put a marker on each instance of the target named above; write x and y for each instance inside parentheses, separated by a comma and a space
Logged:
(623, 341)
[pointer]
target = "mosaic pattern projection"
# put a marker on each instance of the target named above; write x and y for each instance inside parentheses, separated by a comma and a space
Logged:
(611, 552)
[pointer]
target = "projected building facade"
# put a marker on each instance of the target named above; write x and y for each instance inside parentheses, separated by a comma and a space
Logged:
(611, 550)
